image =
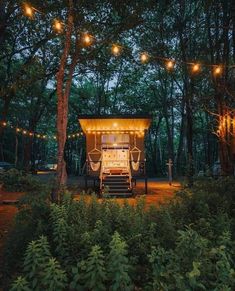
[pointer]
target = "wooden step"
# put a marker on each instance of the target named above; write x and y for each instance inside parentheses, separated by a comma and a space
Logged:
(116, 179)
(118, 195)
(116, 182)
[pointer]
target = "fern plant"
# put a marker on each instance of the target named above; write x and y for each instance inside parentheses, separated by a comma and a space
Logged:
(118, 265)
(54, 278)
(20, 284)
(77, 281)
(60, 231)
(36, 257)
(95, 274)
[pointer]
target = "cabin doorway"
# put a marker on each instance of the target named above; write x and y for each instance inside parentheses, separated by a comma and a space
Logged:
(115, 161)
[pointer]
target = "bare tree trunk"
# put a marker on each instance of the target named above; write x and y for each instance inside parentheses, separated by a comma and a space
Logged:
(63, 91)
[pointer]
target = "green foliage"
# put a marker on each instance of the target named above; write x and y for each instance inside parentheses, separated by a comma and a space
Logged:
(186, 244)
(20, 284)
(36, 258)
(15, 180)
(95, 274)
(30, 223)
(60, 231)
(54, 278)
(118, 265)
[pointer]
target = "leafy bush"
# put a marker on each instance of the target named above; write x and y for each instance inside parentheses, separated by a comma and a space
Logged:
(186, 244)
(15, 180)
(30, 223)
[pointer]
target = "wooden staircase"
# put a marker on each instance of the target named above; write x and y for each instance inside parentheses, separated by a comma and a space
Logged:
(116, 186)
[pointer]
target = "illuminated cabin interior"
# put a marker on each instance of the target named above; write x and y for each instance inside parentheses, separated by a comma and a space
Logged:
(115, 150)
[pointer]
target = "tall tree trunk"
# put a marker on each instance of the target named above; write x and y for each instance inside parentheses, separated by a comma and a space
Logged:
(64, 81)
(189, 137)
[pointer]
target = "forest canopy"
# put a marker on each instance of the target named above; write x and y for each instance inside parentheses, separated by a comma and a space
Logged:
(171, 59)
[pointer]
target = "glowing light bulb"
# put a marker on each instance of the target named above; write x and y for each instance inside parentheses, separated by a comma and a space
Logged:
(87, 39)
(116, 50)
(170, 65)
(28, 11)
(144, 57)
(58, 26)
(195, 68)
(17, 129)
(218, 70)
(4, 123)
(31, 134)
(24, 132)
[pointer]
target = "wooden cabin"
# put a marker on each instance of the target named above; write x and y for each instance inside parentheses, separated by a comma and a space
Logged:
(115, 150)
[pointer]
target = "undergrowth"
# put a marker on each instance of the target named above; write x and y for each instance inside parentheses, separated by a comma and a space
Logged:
(186, 244)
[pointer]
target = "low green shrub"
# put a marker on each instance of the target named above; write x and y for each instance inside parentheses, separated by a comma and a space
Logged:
(186, 244)
(15, 180)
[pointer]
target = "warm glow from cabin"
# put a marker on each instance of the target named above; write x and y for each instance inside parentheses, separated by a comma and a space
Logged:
(114, 125)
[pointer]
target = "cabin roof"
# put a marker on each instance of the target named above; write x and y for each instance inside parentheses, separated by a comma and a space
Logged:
(127, 122)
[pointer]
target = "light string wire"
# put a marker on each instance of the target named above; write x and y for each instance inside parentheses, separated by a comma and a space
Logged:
(116, 48)
(43, 136)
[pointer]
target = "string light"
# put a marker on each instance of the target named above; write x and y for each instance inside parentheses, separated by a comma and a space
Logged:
(87, 39)
(116, 49)
(28, 10)
(36, 135)
(170, 64)
(195, 68)
(144, 57)
(217, 70)
(58, 26)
